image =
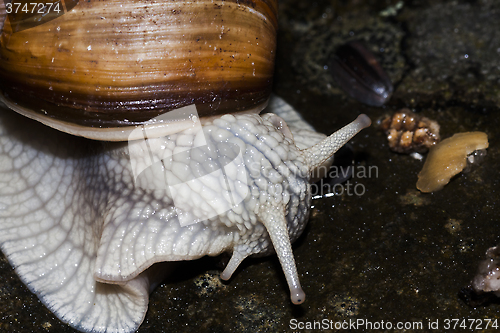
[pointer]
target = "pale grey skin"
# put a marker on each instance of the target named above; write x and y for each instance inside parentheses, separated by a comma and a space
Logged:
(82, 236)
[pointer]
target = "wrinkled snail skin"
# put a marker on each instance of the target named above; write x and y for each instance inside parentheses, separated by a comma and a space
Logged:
(71, 217)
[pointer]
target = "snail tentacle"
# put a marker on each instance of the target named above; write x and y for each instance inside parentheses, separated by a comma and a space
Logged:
(274, 219)
(235, 261)
(323, 150)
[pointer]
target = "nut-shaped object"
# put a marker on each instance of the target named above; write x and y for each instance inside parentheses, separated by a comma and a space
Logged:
(408, 132)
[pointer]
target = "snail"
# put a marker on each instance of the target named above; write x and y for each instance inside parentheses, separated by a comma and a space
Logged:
(90, 225)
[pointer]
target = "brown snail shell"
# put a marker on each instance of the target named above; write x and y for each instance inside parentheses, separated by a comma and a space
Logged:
(113, 63)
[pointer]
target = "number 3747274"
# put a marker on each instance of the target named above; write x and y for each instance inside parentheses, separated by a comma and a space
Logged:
(33, 7)
(472, 324)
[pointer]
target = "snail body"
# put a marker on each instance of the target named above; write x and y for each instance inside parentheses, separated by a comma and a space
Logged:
(101, 217)
(75, 220)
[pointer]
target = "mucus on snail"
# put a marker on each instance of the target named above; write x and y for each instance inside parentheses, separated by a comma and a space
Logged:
(73, 219)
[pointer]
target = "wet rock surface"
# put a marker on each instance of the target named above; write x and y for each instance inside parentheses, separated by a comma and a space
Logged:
(386, 252)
